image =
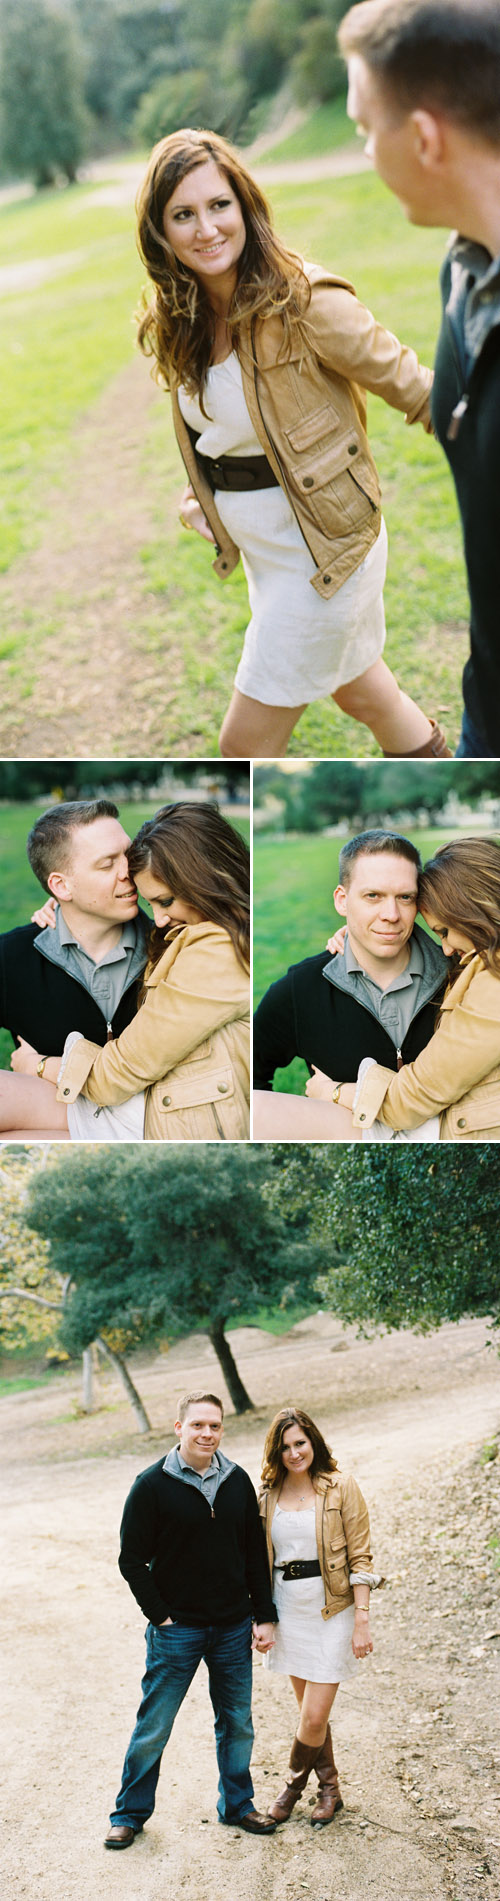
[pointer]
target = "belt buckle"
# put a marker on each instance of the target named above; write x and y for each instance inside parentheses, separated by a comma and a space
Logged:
(292, 1569)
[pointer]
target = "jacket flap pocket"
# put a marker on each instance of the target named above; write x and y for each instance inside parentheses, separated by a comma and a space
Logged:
(478, 1111)
(342, 457)
(191, 1092)
(306, 432)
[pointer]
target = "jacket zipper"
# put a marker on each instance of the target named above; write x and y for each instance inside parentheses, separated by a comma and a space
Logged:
(275, 451)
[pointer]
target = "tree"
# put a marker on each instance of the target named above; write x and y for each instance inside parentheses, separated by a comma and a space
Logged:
(415, 1231)
(42, 112)
(162, 1242)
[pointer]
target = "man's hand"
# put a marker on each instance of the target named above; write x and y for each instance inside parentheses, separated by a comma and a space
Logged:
(320, 1085)
(263, 1637)
(165, 1620)
(46, 915)
(25, 1059)
(191, 514)
(336, 944)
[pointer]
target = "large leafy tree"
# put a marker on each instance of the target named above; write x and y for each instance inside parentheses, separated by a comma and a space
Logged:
(161, 1242)
(413, 1231)
(42, 112)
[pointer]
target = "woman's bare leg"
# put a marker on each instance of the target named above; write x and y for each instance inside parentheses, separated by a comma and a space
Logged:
(252, 730)
(315, 1702)
(377, 701)
(29, 1103)
(281, 1118)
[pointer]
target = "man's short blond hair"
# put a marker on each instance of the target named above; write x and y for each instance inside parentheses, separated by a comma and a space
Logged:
(198, 1399)
(433, 54)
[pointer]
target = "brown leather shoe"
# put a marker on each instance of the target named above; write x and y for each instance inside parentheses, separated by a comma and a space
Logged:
(120, 1837)
(302, 1757)
(435, 747)
(255, 1824)
(330, 1798)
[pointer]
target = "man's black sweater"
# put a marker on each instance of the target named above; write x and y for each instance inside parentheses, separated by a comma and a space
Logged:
(305, 1015)
(190, 1561)
(42, 1003)
(474, 457)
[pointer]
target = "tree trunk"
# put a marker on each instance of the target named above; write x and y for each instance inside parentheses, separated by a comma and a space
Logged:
(131, 1390)
(87, 1380)
(240, 1398)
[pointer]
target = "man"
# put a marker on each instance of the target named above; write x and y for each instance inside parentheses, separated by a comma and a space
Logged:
(193, 1553)
(380, 994)
(424, 84)
(84, 974)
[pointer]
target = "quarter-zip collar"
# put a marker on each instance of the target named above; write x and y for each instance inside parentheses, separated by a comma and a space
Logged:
(434, 972)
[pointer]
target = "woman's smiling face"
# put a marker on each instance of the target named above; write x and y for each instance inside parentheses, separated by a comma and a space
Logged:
(165, 908)
(451, 940)
(204, 224)
(296, 1450)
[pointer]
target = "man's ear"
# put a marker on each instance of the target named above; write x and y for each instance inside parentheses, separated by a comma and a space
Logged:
(429, 138)
(340, 899)
(59, 887)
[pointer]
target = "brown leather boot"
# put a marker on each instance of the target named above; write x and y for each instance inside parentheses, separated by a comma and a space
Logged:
(330, 1797)
(302, 1757)
(435, 747)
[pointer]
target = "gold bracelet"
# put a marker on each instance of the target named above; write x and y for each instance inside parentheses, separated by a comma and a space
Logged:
(184, 523)
(336, 1092)
(41, 1065)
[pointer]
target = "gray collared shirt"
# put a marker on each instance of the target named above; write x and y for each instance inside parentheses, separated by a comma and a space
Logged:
(396, 1006)
(206, 1482)
(107, 980)
(474, 300)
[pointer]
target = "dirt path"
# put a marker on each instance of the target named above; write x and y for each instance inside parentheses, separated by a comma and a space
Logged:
(415, 1733)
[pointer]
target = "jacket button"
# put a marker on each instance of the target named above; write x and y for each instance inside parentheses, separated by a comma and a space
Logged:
(308, 481)
(362, 1116)
(66, 1092)
(222, 1088)
(353, 448)
(166, 1100)
(462, 1122)
(327, 579)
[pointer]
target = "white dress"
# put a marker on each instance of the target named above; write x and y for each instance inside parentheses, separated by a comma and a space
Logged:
(298, 647)
(306, 1644)
(124, 1122)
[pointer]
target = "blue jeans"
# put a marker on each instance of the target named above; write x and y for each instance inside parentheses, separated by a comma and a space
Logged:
(472, 744)
(173, 1653)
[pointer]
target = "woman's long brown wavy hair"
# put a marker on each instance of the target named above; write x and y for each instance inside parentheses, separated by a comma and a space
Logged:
(461, 887)
(199, 857)
(273, 1470)
(177, 326)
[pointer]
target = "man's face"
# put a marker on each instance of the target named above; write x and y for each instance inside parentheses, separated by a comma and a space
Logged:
(200, 1433)
(97, 879)
(395, 142)
(379, 905)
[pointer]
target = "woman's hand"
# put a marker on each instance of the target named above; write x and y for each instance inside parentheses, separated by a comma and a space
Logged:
(46, 915)
(263, 1637)
(361, 1639)
(25, 1059)
(191, 514)
(336, 944)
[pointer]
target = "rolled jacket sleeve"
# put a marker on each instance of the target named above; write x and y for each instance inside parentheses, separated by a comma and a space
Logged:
(464, 1049)
(356, 1525)
(198, 994)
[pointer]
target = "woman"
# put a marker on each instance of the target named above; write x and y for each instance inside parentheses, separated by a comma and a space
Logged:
(452, 1090)
(318, 1542)
(181, 1067)
(267, 362)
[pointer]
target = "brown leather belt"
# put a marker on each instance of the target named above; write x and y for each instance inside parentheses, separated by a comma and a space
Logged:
(238, 472)
(299, 1568)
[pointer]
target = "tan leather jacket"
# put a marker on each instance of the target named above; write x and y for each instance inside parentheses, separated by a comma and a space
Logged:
(342, 1536)
(456, 1077)
(309, 413)
(188, 1046)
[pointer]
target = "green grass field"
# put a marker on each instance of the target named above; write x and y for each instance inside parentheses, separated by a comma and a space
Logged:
(294, 915)
(65, 340)
(21, 893)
